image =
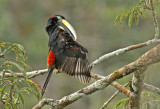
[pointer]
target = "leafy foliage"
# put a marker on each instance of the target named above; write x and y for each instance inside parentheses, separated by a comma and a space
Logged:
(150, 100)
(12, 89)
(131, 14)
(123, 104)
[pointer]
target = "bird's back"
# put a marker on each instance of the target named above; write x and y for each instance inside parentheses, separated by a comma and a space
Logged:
(70, 57)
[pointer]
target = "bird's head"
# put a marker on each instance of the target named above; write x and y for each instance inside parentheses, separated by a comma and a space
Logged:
(60, 22)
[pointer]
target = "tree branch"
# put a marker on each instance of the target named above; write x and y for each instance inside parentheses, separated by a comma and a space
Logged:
(123, 50)
(29, 74)
(118, 86)
(152, 88)
(111, 98)
(156, 28)
(137, 86)
(102, 58)
(43, 102)
(150, 57)
(36, 73)
(121, 88)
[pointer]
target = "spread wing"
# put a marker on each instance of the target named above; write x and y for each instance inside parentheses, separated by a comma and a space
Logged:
(70, 57)
(73, 62)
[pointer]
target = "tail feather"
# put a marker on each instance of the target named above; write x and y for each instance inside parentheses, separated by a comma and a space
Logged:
(50, 70)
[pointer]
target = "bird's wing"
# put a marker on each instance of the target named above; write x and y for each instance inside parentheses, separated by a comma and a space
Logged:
(72, 62)
(71, 58)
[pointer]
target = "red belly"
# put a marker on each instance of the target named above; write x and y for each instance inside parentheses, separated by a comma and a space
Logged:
(51, 58)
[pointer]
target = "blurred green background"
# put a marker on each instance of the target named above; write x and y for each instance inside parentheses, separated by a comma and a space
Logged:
(23, 22)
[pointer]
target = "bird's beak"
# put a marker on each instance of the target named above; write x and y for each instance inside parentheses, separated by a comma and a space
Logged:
(68, 28)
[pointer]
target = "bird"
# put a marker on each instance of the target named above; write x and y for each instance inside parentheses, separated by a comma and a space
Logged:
(65, 53)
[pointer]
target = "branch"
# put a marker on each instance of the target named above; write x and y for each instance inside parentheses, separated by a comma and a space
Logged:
(150, 57)
(123, 50)
(10, 75)
(102, 58)
(30, 74)
(155, 20)
(121, 88)
(111, 98)
(36, 73)
(137, 86)
(152, 88)
(118, 86)
(43, 102)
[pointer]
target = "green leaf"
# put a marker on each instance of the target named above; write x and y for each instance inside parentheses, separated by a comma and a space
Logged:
(127, 13)
(14, 106)
(7, 50)
(141, 12)
(25, 90)
(19, 47)
(19, 51)
(130, 19)
(122, 17)
(2, 44)
(150, 99)
(3, 89)
(6, 104)
(29, 89)
(36, 91)
(16, 65)
(25, 66)
(123, 103)
(116, 20)
(21, 98)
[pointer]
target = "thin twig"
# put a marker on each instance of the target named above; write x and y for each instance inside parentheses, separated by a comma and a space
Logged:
(10, 75)
(111, 98)
(96, 76)
(123, 50)
(155, 20)
(31, 74)
(152, 88)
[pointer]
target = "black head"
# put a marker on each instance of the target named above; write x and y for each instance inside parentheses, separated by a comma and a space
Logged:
(60, 22)
(56, 18)
(53, 20)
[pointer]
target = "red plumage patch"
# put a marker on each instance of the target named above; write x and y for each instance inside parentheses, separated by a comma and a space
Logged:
(52, 16)
(51, 58)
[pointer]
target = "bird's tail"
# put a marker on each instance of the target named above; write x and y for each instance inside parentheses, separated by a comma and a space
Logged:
(50, 70)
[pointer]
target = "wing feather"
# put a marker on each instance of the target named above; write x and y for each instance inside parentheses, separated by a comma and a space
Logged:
(70, 57)
(74, 64)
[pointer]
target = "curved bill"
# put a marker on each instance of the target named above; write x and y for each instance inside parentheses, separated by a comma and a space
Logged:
(68, 28)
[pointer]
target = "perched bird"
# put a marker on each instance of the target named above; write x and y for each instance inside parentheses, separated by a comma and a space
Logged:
(65, 54)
